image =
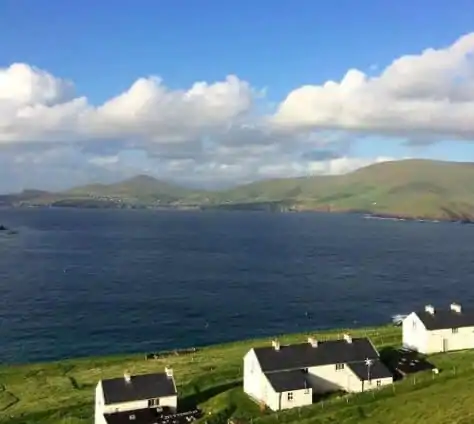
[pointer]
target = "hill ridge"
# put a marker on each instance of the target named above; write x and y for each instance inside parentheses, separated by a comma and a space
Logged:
(414, 188)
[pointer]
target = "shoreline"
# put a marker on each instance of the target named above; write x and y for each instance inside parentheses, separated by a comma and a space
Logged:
(273, 207)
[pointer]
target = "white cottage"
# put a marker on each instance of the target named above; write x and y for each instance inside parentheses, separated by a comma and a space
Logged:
(431, 330)
(289, 376)
(138, 399)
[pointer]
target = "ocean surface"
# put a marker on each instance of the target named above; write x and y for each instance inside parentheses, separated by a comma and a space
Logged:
(94, 282)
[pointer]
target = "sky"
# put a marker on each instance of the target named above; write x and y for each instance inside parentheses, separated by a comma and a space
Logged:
(215, 93)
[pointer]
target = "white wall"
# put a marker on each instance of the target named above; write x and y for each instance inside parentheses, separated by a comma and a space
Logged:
(372, 384)
(254, 379)
(415, 336)
(125, 406)
(277, 401)
(441, 340)
(326, 378)
(170, 401)
(414, 333)
(300, 398)
(99, 405)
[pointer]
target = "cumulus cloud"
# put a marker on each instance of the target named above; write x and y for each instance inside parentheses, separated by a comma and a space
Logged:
(212, 132)
(430, 94)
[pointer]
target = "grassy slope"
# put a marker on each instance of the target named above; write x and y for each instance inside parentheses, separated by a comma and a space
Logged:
(63, 392)
(412, 187)
(417, 188)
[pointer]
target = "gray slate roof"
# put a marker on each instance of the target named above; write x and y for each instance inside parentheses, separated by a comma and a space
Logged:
(146, 386)
(287, 381)
(303, 355)
(377, 370)
(446, 318)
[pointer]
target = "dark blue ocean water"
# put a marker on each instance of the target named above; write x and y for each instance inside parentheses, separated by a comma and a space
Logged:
(88, 282)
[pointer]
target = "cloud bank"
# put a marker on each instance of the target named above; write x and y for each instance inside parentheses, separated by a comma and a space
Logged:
(213, 132)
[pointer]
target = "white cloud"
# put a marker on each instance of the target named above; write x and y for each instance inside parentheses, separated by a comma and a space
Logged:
(36, 106)
(431, 94)
(211, 132)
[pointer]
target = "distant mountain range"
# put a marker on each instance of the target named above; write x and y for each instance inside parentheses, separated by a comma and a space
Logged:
(408, 188)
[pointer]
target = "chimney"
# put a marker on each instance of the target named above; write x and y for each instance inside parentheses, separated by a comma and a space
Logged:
(429, 309)
(169, 372)
(276, 344)
(347, 338)
(313, 342)
(127, 376)
(456, 307)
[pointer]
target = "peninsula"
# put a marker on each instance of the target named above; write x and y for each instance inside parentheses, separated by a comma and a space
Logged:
(412, 189)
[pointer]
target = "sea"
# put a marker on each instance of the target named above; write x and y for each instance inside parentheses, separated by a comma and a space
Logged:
(79, 283)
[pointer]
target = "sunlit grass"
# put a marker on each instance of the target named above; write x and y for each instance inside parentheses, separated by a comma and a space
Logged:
(63, 392)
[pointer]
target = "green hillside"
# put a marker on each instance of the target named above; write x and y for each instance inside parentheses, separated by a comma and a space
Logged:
(63, 392)
(414, 188)
(411, 188)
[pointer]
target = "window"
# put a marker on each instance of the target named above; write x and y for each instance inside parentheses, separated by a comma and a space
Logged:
(413, 324)
(306, 391)
(455, 330)
(339, 367)
(290, 396)
(153, 402)
(379, 383)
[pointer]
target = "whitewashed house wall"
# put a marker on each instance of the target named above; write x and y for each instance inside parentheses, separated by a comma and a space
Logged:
(299, 398)
(414, 333)
(417, 337)
(99, 405)
(254, 379)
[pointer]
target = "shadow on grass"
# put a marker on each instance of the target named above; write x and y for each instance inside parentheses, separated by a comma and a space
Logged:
(320, 397)
(199, 396)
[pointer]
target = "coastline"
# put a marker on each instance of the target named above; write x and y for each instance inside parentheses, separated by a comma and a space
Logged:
(275, 207)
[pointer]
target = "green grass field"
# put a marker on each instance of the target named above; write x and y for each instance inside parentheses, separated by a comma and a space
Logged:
(63, 392)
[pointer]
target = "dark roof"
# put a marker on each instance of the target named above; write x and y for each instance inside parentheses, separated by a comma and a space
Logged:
(446, 318)
(303, 355)
(140, 416)
(287, 381)
(147, 386)
(377, 370)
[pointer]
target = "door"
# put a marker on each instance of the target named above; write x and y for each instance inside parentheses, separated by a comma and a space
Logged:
(445, 345)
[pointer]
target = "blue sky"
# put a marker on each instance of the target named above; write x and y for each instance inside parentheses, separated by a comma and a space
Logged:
(273, 47)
